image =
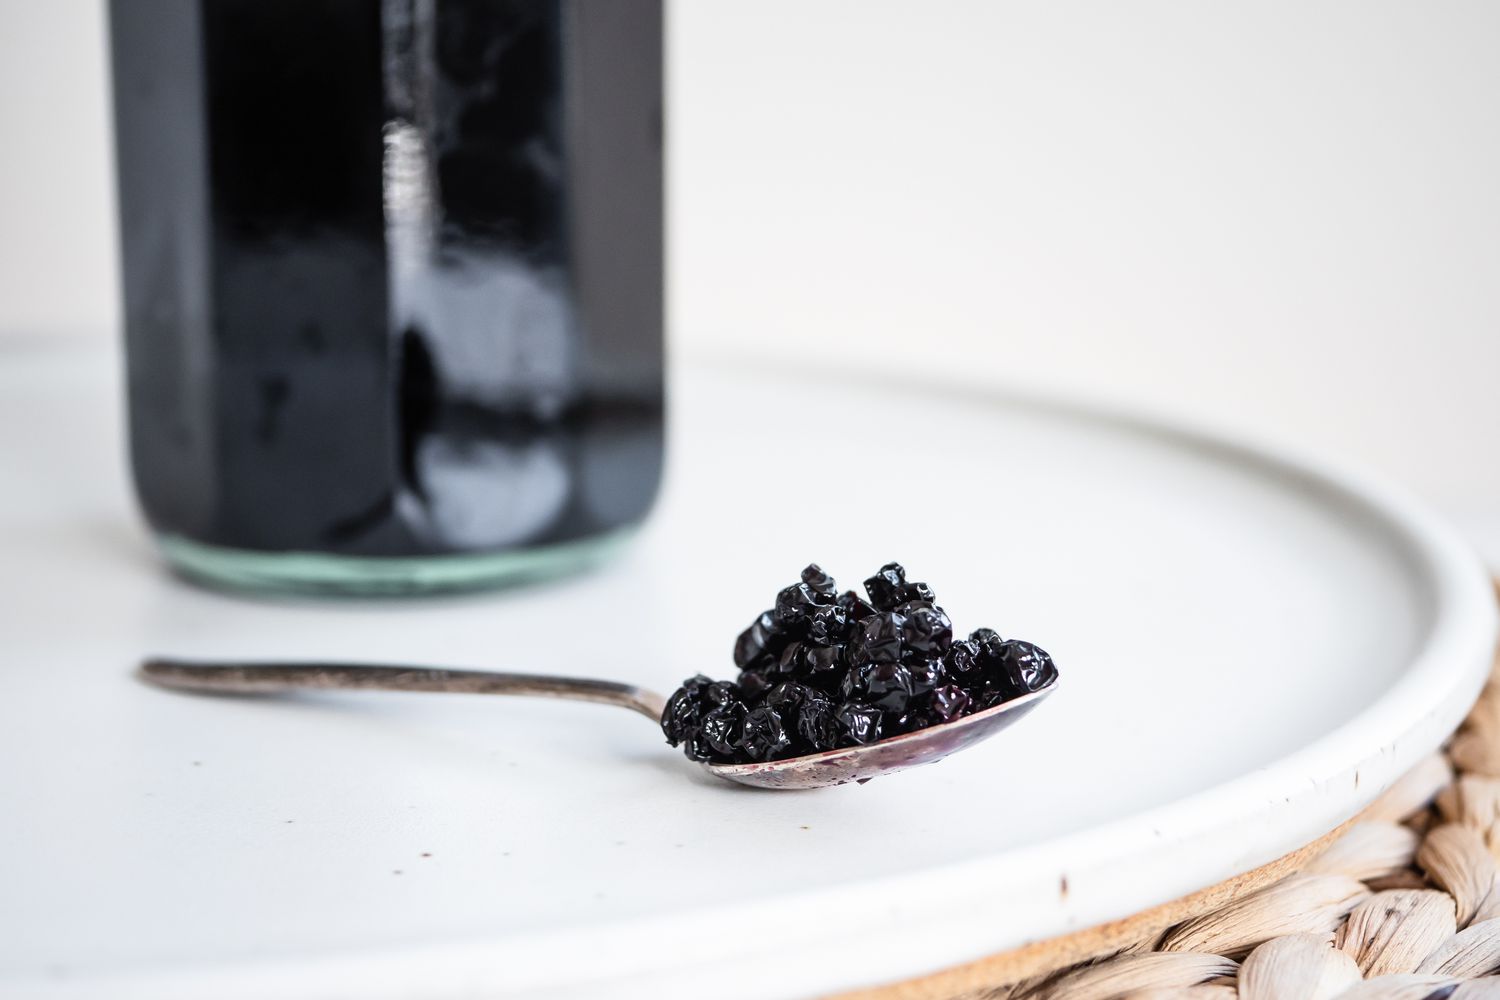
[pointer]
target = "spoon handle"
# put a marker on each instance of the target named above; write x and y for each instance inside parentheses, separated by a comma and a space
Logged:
(266, 678)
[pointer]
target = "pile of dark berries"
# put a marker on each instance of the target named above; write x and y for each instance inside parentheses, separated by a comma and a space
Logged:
(823, 670)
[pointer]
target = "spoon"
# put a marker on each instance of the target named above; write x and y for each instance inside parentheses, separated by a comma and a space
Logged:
(817, 770)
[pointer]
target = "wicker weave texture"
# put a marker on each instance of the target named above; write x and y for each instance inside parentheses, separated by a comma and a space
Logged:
(1403, 905)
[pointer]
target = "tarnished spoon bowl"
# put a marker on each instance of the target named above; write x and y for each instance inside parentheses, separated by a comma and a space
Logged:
(924, 746)
(833, 767)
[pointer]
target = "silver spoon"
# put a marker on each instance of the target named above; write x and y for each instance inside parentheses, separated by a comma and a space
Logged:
(832, 767)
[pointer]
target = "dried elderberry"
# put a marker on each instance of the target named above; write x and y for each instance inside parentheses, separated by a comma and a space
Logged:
(824, 670)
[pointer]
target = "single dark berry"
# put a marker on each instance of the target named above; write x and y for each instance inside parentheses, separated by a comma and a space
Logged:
(909, 722)
(883, 585)
(1026, 667)
(961, 663)
(926, 675)
(928, 632)
(697, 747)
(878, 639)
(914, 592)
(721, 729)
(949, 702)
(721, 693)
(785, 698)
(831, 684)
(818, 580)
(824, 660)
(753, 684)
(763, 664)
(1010, 666)
(851, 687)
(981, 698)
(856, 607)
(764, 736)
(796, 604)
(990, 659)
(793, 662)
(987, 643)
(860, 723)
(816, 727)
(679, 720)
(887, 686)
(791, 701)
(758, 640)
(828, 625)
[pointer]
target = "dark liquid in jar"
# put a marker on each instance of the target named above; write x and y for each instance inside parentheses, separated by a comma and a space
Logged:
(392, 270)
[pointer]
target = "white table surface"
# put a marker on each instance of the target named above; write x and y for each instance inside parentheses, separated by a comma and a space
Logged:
(385, 845)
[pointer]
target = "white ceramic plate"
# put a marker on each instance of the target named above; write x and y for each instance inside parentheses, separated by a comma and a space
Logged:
(1251, 648)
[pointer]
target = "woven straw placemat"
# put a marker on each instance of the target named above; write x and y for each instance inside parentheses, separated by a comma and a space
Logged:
(1402, 903)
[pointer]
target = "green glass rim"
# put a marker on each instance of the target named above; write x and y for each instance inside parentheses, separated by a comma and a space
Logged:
(319, 573)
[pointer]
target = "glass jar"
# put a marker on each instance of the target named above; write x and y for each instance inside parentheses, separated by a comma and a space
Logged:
(393, 284)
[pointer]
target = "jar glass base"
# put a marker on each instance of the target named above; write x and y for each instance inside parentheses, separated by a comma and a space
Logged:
(375, 576)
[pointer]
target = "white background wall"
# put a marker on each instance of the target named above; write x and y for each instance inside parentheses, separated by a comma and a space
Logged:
(57, 252)
(1277, 215)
